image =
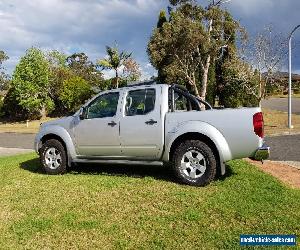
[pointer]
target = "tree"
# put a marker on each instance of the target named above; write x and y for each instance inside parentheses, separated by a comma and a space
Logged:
(226, 54)
(132, 71)
(114, 61)
(161, 76)
(4, 78)
(270, 49)
(58, 73)
(188, 44)
(74, 93)
(162, 18)
(81, 66)
(178, 43)
(30, 84)
(239, 84)
(57, 59)
(211, 85)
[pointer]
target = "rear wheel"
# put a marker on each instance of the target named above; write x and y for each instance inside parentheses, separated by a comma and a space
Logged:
(53, 157)
(194, 163)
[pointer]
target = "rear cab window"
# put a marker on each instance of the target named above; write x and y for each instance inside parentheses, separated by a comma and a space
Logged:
(181, 102)
(140, 102)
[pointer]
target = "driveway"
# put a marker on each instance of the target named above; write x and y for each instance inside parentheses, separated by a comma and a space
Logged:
(281, 104)
(284, 148)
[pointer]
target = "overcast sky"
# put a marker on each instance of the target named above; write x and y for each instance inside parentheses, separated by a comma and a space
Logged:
(88, 25)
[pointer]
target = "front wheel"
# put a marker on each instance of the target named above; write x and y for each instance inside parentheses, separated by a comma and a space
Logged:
(194, 163)
(53, 157)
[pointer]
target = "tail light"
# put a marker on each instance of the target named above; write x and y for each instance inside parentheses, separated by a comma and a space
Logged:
(258, 124)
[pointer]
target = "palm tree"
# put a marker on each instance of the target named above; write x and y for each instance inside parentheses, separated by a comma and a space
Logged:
(114, 60)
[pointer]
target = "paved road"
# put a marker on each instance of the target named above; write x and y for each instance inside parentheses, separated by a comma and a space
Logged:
(281, 104)
(16, 140)
(283, 148)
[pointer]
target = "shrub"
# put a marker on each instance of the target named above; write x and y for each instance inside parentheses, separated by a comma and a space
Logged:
(30, 84)
(74, 92)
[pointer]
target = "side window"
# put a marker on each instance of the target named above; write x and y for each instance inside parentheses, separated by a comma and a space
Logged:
(140, 102)
(104, 106)
(181, 103)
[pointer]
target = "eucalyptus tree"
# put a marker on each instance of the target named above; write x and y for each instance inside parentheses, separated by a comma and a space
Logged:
(186, 45)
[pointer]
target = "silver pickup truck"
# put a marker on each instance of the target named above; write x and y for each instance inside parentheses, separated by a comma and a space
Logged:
(153, 124)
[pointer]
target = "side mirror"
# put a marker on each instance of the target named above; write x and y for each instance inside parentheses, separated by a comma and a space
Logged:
(82, 113)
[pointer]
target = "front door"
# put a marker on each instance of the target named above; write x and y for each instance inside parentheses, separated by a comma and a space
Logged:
(141, 128)
(98, 133)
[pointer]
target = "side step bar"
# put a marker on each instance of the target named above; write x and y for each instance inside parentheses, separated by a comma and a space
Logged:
(125, 162)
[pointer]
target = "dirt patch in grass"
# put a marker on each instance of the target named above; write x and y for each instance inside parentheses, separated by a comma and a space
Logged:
(276, 122)
(282, 171)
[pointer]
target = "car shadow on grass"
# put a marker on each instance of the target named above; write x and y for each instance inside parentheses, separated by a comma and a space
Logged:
(134, 171)
(32, 165)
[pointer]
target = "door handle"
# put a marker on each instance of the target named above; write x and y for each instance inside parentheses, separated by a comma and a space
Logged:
(112, 124)
(150, 122)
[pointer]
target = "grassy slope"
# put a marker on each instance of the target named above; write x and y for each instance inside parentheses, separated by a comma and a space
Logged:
(138, 207)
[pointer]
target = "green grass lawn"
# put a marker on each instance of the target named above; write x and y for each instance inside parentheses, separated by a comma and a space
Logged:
(138, 207)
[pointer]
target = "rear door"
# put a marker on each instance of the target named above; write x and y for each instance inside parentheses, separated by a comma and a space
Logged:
(141, 126)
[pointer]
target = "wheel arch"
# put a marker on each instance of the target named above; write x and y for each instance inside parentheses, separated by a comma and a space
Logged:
(60, 134)
(198, 130)
(50, 136)
(195, 136)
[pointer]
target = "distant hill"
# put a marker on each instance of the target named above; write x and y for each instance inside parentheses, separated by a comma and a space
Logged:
(295, 77)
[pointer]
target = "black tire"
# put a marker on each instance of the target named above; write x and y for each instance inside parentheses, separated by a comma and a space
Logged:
(55, 163)
(204, 171)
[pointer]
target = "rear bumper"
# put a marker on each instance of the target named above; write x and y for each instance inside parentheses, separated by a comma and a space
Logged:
(262, 153)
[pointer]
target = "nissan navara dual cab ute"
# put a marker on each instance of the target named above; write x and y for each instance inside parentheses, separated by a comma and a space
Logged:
(153, 124)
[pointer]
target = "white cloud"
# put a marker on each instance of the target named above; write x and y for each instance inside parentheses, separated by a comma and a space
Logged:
(75, 25)
(251, 7)
(88, 25)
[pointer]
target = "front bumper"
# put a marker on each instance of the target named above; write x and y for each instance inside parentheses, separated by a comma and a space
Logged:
(262, 153)
(37, 143)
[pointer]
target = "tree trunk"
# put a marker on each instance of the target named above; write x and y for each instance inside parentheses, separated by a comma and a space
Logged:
(43, 112)
(204, 79)
(196, 91)
(117, 79)
(260, 90)
(192, 82)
